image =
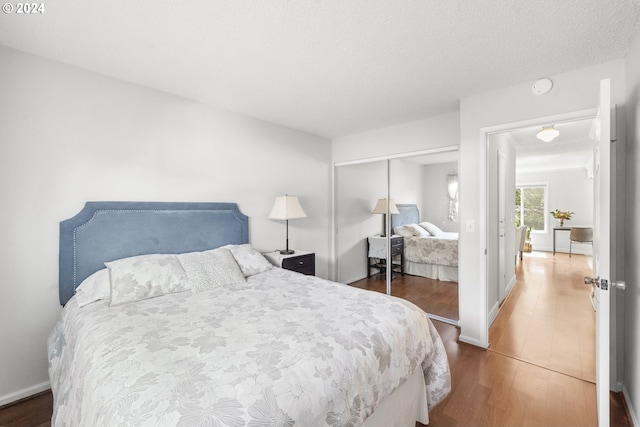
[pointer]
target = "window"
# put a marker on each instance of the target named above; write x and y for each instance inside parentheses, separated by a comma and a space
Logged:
(531, 206)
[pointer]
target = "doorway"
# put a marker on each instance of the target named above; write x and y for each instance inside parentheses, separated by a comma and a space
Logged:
(547, 318)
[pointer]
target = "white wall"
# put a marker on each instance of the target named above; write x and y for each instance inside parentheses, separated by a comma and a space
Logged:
(358, 187)
(570, 190)
(405, 180)
(435, 207)
(632, 233)
(68, 136)
(501, 272)
(573, 91)
(432, 132)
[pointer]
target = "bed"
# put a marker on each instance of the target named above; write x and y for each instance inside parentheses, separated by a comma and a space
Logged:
(428, 251)
(221, 337)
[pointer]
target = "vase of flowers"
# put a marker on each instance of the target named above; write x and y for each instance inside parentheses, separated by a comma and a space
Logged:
(561, 216)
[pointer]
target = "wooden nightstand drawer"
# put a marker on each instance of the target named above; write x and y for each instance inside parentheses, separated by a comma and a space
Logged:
(305, 264)
(377, 254)
(396, 249)
(300, 261)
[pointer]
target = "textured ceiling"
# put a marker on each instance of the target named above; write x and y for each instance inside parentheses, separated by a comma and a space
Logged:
(328, 67)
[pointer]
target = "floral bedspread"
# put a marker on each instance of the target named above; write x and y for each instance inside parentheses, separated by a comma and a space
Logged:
(432, 250)
(281, 349)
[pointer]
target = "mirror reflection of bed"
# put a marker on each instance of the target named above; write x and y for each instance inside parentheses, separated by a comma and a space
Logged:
(430, 278)
(420, 190)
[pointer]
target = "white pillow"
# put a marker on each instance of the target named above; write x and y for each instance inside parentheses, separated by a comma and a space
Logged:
(417, 230)
(435, 231)
(403, 231)
(210, 269)
(145, 276)
(94, 288)
(250, 260)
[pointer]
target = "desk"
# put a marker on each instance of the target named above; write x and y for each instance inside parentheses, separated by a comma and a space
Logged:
(554, 235)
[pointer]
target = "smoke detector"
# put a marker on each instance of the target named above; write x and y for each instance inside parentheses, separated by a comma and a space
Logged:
(541, 86)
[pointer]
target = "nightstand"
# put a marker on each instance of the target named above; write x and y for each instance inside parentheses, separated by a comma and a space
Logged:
(299, 261)
(377, 254)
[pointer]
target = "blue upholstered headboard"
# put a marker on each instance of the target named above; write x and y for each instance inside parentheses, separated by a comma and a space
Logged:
(409, 214)
(105, 231)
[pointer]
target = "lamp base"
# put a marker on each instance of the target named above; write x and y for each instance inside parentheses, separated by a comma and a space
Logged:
(286, 251)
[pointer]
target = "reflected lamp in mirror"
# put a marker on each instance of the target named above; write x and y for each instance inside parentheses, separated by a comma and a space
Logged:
(382, 208)
(452, 191)
(285, 208)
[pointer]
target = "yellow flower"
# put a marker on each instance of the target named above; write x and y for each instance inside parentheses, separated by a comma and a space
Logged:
(558, 214)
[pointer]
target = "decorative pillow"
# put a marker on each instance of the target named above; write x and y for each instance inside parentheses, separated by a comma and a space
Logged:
(145, 276)
(94, 288)
(250, 260)
(435, 231)
(403, 231)
(417, 230)
(209, 269)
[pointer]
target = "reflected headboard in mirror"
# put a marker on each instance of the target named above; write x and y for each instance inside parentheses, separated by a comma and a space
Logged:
(409, 214)
(106, 231)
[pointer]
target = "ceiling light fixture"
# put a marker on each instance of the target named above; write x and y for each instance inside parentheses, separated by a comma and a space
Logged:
(548, 134)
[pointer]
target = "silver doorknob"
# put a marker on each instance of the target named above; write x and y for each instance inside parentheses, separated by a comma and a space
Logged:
(620, 285)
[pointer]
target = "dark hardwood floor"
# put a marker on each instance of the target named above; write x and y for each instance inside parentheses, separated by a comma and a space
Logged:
(540, 369)
(433, 296)
(34, 411)
(491, 389)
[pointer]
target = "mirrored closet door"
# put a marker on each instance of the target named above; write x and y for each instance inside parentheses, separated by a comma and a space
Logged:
(407, 193)
(359, 230)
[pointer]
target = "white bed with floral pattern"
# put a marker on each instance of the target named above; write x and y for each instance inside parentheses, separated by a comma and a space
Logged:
(222, 338)
(428, 251)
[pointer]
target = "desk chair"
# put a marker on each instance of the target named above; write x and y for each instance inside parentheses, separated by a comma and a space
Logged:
(521, 236)
(580, 235)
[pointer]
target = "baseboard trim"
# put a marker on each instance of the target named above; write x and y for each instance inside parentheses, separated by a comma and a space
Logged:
(632, 412)
(493, 313)
(25, 392)
(510, 286)
(442, 319)
(469, 340)
(559, 250)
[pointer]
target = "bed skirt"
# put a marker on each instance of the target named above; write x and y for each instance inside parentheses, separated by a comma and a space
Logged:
(440, 272)
(406, 405)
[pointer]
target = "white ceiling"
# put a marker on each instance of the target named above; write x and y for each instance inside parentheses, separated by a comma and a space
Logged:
(327, 67)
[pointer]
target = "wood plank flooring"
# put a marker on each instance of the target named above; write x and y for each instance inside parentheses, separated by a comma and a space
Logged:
(540, 370)
(34, 411)
(433, 296)
(548, 319)
(491, 389)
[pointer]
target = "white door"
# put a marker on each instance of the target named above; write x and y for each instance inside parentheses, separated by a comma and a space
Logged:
(502, 228)
(601, 248)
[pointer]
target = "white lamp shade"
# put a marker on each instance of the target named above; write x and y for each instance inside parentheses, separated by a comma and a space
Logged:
(287, 207)
(548, 134)
(381, 207)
